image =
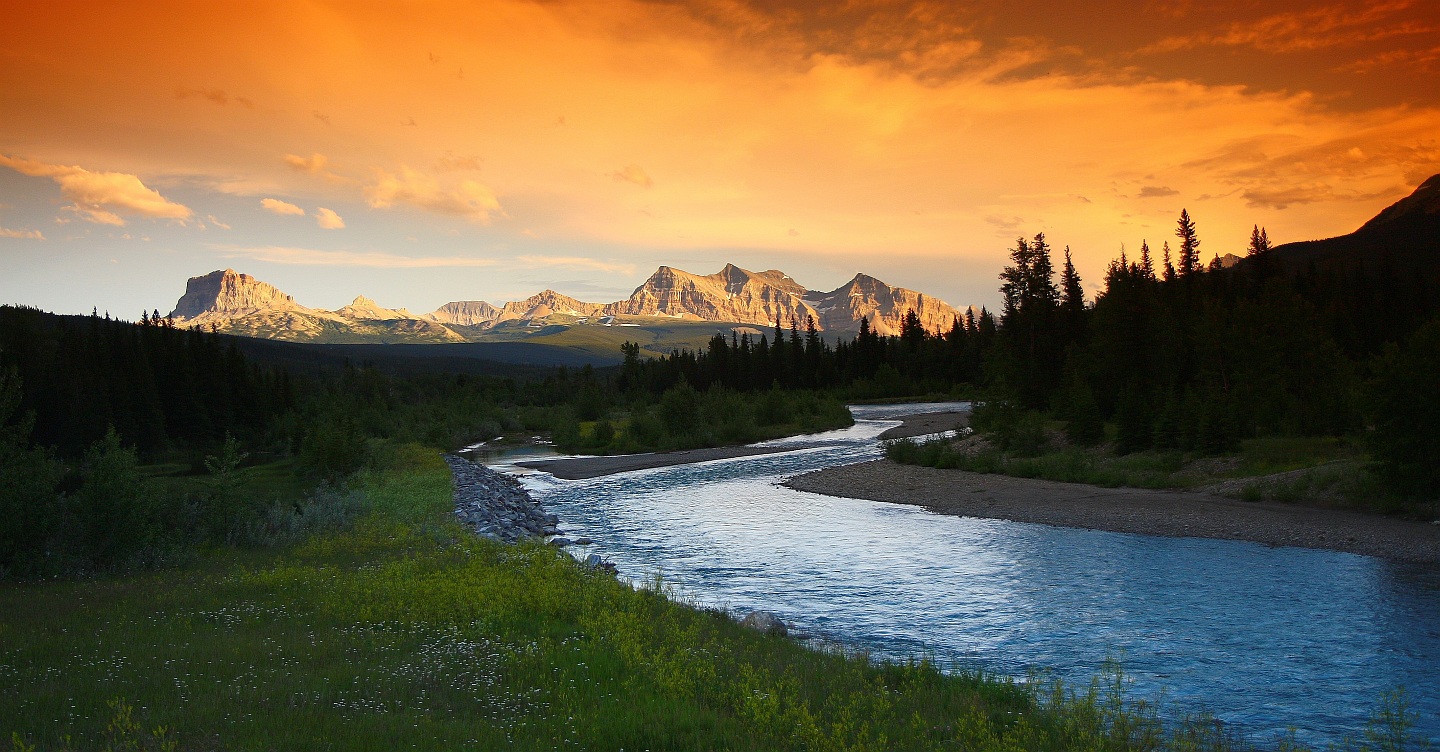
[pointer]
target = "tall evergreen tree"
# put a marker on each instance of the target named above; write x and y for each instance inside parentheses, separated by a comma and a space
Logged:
(1259, 242)
(1072, 301)
(1031, 304)
(1189, 245)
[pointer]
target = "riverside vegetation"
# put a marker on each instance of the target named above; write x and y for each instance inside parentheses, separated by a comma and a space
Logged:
(393, 626)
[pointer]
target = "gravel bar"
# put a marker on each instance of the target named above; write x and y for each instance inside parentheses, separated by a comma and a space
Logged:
(1127, 510)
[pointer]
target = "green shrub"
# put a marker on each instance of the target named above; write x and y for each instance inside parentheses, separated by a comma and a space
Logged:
(333, 448)
(120, 518)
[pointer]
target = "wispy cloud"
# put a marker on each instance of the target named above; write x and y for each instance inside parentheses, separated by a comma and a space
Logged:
(281, 207)
(5, 232)
(466, 198)
(633, 174)
(451, 162)
(373, 259)
(1327, 26)
(98, 196)
(215, 96)
(575, 262)
(1424, 60)
(211, 218)
(1281, 198)
(315, 163)
(1157, 191)
(328, 219)
(1004, 222)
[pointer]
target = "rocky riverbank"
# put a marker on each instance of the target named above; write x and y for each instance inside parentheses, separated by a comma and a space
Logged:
(495, 505)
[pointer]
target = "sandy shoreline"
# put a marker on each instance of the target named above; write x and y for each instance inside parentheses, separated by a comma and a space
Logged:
(1126, 510)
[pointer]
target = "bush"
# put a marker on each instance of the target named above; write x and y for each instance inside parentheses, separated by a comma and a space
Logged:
(117, 512)
(680, 409)
(333, 449)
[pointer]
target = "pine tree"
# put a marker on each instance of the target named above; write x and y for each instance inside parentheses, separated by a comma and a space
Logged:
(1169, 267)
(1147, 265)
(1259, 241)
(1072, 301)
(1031, 304)
(1189, 245)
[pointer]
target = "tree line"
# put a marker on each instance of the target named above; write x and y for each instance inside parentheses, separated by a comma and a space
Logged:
(122, 444)
(1174, 353)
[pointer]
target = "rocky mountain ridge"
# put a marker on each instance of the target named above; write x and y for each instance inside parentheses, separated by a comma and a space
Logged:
(241, 304)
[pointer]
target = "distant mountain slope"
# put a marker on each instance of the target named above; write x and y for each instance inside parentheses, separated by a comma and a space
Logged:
(1405, 237)
(240, 304)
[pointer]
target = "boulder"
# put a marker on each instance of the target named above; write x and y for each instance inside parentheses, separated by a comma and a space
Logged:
(764, 622)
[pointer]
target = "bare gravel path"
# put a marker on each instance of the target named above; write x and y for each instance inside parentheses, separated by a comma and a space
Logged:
(1126, 510)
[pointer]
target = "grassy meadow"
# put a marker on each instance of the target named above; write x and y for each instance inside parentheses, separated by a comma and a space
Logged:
(395, 628)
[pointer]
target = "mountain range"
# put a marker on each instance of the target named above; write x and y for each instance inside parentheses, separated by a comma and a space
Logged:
(237, 303)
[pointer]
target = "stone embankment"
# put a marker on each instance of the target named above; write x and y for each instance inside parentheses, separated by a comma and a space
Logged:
(495, 505)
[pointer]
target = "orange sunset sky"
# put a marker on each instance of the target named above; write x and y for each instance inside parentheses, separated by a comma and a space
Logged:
(422, 152)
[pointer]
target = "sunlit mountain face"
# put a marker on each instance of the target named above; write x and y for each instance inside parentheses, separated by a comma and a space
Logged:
(235, 303)
(447, 151)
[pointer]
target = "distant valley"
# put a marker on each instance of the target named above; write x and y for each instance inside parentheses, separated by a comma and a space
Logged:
(673, 308)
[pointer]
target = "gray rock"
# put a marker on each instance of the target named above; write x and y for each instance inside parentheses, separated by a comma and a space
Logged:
(764, 622)
(559, 541)
(595, 561)
(495, 505)
(583, 542)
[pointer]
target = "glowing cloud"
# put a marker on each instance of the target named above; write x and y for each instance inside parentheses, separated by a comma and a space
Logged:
(329, 219)
(315, 163)
(22, 234)
(281, 207)
(466, 199)
(99, 195)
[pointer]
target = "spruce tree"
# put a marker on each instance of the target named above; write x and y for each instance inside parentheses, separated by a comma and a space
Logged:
(1189, 245)
(1147, 264)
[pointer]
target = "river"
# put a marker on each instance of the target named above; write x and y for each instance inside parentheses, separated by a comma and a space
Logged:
(1265, 638)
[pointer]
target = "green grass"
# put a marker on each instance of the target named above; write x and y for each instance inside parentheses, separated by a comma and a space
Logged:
(405, 631)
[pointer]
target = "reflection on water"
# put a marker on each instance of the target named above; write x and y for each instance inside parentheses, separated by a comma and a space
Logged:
(1264, 637)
